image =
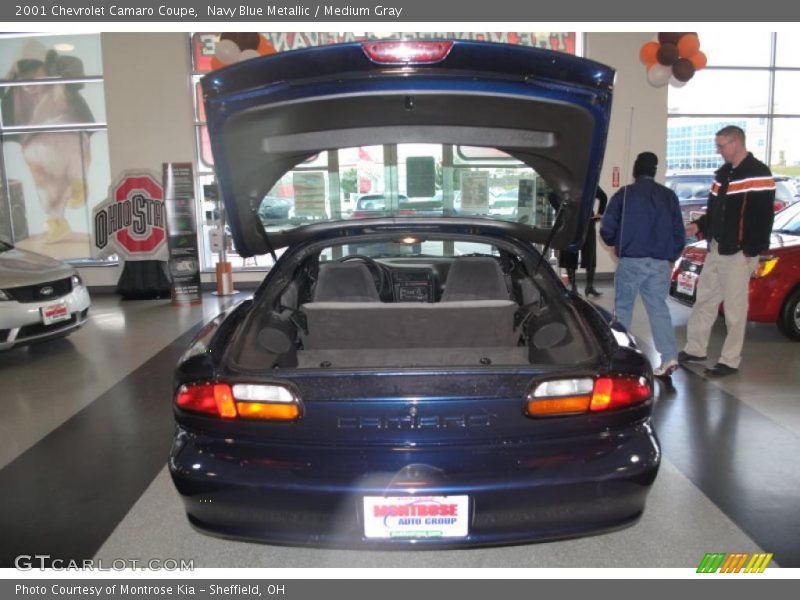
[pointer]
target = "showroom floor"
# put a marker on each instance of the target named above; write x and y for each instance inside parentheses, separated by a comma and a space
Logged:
(85, 425)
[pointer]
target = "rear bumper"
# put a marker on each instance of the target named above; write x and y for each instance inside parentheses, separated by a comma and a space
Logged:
(518, 492)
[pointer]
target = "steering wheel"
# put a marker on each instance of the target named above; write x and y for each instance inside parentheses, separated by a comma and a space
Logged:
(375, 269)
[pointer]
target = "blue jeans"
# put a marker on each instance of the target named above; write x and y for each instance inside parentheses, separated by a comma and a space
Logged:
(649, 277)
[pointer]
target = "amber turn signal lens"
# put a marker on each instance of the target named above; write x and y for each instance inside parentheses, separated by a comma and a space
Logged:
(765, 266)
(268, 411)
(559, 406)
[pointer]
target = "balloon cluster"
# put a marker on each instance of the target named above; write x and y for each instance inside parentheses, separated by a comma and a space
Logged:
(236, 47)
(673, 59)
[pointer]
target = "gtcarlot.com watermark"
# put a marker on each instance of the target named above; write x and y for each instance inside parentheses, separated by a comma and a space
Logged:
(30, 562)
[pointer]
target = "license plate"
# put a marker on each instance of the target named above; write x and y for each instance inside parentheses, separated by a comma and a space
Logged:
(416, 517)
(54, 313)
(687, 281)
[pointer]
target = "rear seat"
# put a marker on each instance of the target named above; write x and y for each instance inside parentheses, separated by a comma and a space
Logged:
(455, 324)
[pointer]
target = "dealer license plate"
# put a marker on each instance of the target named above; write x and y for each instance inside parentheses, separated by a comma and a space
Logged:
(687, 281)
(416, 517)
(54, 313)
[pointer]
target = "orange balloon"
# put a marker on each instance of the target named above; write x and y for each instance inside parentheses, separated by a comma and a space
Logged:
(699, 60)
(688, 45)
(264, 47)
(216, 63)
(647, 53)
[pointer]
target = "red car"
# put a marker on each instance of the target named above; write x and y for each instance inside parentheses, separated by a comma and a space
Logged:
(775, 285)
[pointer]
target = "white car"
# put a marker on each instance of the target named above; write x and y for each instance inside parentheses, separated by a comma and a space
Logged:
(40, 298)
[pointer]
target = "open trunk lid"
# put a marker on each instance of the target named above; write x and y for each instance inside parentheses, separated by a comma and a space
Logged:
(546, 109)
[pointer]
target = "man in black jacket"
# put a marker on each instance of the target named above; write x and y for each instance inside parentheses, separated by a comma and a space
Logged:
(737, 226)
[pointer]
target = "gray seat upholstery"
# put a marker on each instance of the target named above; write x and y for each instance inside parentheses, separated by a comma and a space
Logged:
(345, 282)
(475, 278)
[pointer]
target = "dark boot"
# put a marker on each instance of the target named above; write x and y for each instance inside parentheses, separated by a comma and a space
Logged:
(590, 291)
(572, 283)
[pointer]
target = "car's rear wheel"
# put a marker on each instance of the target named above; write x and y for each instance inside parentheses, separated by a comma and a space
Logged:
(789, 319)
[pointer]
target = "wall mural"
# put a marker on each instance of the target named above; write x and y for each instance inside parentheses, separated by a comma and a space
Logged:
(55, 147)
(58, 161)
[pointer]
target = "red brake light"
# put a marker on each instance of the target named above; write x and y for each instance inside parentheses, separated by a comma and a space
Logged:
(617, 392)
(208, 398)
(407, 52)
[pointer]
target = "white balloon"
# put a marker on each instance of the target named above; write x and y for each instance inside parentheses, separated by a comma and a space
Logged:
(658, 75)
(248, 54)
(227, 51)
(676, 82)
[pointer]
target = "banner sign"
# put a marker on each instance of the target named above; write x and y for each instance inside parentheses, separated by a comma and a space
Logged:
(205, 44)
(131, 222)
(184, 264)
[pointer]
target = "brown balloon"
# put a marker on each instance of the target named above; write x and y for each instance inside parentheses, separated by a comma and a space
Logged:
(683, 69)
(667, 54)
(669, 37)
(245, 41)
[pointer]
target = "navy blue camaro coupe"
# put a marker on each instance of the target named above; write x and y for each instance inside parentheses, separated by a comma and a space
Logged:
(416, 374)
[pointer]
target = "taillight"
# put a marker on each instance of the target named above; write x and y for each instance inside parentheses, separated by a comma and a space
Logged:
(242, 401)
(618, 392)
(765, 266)
(560, 397)
(407, 52)
(207, 398)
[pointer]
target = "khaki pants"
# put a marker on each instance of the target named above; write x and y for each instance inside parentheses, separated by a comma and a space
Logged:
(725, 278)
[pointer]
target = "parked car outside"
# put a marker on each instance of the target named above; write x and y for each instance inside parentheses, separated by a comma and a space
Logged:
(505, 204)
(456, 397)
(692, 189)
(774, 294)
(373, 203)
(40, 298)
(275, 208)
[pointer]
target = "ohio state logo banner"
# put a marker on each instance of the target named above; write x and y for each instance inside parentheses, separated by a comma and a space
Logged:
(131, 222)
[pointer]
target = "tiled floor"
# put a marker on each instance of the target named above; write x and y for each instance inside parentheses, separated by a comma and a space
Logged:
(85, 426)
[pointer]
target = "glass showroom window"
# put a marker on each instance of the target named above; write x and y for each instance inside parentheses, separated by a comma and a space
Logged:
(54, 150)
(350, 177)
(752, 85)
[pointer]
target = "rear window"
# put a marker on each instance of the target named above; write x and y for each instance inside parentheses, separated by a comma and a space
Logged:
(407, 180)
